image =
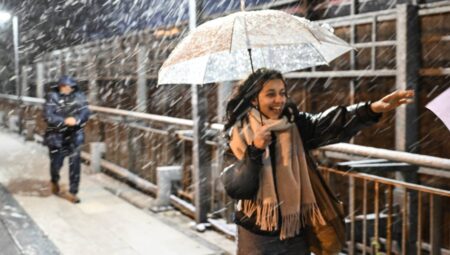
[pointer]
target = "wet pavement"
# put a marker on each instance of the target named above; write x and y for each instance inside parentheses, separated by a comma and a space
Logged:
(19, 234)
(33, 221)
(29, 187)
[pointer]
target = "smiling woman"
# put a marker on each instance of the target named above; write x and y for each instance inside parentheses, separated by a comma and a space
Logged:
(284, 205)
(271, 99)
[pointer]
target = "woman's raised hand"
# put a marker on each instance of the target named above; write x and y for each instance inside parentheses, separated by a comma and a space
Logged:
(262, 137)
(392, 101)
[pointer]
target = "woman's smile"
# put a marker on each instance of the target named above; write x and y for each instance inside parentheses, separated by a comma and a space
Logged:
(276, 109)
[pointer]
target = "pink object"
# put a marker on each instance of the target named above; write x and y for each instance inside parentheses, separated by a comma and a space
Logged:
(441, 107)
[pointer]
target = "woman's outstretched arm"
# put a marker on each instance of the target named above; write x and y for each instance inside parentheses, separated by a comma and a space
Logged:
(339, 123)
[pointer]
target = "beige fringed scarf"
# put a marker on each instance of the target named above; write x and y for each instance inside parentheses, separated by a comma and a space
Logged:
(293, 193)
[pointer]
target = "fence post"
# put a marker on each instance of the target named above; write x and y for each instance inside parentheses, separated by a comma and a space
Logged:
(92, 77)
(436, 232)
(165, 176)
(406, 125)
(40, 80)
(352, 189)
(141, 90)
(30, 126)
(201, 155)
(408, 65)
(223, 92)
(24, 81)
(97, 150)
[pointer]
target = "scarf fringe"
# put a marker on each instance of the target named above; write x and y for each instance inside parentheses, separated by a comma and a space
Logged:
(292, 224)
(266, 213)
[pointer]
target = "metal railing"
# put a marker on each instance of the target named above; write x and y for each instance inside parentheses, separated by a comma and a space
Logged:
(411, 198)
(384, 238)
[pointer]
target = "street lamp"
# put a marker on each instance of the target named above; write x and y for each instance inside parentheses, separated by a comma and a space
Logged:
(4, 17)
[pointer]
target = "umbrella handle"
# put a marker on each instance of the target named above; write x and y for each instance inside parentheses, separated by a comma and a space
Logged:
(251, 60)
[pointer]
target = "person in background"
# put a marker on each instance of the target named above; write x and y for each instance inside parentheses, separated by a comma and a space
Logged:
(66, 113)
(284, 205)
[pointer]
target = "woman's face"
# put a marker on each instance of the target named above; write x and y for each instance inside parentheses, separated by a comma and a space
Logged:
(272, 99)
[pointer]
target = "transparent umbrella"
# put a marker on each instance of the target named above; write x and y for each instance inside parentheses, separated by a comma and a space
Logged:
(231, 47)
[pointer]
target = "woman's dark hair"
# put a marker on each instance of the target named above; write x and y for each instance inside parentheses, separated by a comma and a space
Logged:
(241, 98)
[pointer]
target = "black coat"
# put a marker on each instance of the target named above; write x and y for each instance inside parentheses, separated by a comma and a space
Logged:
(59, 107)
(337, 124)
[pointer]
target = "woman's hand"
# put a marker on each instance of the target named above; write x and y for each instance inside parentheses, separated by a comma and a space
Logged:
(262, 137)
(392, 101)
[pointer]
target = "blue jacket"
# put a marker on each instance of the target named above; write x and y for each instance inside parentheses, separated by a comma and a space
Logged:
(59, 107)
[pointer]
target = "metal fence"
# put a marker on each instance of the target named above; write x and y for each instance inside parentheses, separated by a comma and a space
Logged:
(384, 216)
(387, 216)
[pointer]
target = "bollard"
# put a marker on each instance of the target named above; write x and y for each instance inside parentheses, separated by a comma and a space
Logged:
(165, 176)
(30, 125)
(97, 151)
(2, 118)
(13, 122)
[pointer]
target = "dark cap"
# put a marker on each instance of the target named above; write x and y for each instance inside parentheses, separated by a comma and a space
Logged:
(67, 80)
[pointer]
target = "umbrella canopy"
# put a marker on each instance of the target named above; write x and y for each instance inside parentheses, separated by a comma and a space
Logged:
(440, 106)
(218, 50)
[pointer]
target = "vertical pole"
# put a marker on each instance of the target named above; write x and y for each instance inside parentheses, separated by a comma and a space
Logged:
(353, 11)
(376, 237)
(408, 65)
(92, 77)
(141, 91)
(15, 23)
(223, 92)
(141, 101)
(132, 148)
(373, 51)
(40, 80)
(351, 248)
(21, 111)
(436, 216)
(364, 236)
(192, 14)
(389, 221)
(406, 125)
(24, 81)
(405, 233)
(419, 223)
(201, 156)
(201, 153)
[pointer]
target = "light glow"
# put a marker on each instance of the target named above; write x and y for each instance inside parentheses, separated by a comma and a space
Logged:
(4, 16)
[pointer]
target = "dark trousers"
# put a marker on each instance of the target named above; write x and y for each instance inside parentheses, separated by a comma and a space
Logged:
(56, 161)
(249, 243)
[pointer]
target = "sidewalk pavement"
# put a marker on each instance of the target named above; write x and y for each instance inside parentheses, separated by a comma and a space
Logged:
(103, 223)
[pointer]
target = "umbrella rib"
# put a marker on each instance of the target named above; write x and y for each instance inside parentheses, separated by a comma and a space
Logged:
(315, 37)
(232, 33)
(318, 52)
(204, 73)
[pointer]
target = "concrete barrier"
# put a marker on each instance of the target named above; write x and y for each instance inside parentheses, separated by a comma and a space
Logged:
(29, 127)
(13, 123)
(165, 176)
(97, 150)
(2, 118)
